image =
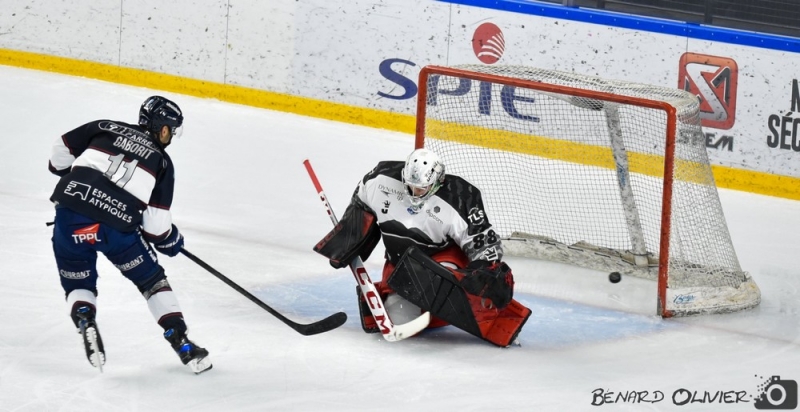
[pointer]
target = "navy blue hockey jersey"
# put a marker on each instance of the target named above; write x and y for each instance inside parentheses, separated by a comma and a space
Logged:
(115, 173)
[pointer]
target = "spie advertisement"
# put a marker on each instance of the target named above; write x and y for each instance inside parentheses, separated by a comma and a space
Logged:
(745, 109)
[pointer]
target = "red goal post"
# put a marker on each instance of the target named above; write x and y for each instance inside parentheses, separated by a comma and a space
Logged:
(599, 173)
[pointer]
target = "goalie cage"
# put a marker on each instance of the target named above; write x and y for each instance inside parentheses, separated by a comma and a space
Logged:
(603, 174)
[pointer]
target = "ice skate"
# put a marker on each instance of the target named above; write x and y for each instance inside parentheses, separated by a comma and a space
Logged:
(189, 352)
(92, 342)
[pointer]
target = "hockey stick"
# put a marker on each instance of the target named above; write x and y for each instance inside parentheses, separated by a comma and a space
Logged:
(389, 330)
(324, 325)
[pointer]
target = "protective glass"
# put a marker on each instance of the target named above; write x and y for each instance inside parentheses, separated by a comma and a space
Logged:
(176, 131)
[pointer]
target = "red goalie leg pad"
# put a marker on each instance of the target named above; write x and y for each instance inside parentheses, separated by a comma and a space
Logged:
(507, 325)
(384, 290)
(429, 285)
(452, 256)
(498, 327)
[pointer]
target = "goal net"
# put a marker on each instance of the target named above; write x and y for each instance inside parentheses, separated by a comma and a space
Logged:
(604, 174)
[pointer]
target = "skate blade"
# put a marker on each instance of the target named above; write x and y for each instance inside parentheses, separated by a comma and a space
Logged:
(98, 359)
(199, 366)
(95, 356)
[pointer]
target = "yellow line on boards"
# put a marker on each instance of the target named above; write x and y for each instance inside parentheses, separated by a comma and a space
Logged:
(725, 177)
(202, 88)
(646, 164)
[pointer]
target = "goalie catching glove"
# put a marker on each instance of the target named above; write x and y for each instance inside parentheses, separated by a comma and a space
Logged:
(490, 280)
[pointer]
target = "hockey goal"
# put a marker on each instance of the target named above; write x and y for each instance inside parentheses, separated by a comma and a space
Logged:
(604, 174)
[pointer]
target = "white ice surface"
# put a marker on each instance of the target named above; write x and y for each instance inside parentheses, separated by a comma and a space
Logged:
(247, 207)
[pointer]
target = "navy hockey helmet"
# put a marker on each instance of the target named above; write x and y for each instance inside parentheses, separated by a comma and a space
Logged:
(158, 111)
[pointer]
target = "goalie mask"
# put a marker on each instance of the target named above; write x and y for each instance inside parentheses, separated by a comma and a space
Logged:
(422, 175)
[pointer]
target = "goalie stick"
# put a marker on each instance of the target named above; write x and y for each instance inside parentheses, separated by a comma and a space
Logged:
(389, 330)
(324, 325)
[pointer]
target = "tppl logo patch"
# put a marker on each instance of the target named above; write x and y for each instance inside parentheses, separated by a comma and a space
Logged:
(714, 80)
(87, 234)
(488, 43)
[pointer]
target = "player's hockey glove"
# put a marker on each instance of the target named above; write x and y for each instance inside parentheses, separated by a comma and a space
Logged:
(172, 244)
(491, 280)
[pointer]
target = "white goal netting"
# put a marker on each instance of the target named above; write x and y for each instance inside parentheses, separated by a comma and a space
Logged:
(590, 171)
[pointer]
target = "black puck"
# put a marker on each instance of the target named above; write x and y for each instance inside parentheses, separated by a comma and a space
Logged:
(614, 277)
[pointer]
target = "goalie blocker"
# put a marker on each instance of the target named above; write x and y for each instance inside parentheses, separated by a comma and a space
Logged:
(422, 281)
(346, 241)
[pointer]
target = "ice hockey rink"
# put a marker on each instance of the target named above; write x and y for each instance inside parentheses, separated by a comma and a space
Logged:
(247, 207)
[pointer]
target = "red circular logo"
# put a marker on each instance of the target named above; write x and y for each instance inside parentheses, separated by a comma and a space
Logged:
(488, 43)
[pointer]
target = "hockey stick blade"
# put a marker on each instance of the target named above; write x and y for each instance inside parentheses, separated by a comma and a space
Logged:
(409, 329)
(389, 331)
(330, 323)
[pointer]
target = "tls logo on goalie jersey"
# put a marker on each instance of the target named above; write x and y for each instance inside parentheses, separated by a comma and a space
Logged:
(476, 216)
(88, 234)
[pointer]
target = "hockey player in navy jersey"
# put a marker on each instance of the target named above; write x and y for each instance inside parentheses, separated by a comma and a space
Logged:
(442, 254)
(114, 197)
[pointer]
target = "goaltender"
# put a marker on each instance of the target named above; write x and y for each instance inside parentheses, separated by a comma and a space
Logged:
(442, 254)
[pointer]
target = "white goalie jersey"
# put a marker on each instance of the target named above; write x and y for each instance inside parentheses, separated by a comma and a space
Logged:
(453, 215)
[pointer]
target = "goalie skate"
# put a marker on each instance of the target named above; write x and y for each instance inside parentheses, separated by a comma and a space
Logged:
(92, 342)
